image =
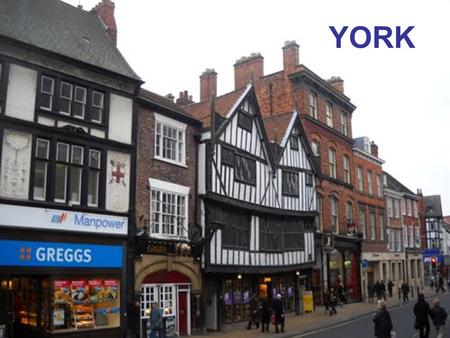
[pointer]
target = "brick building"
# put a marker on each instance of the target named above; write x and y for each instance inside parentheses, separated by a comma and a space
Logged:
(326, 113)
(370, 210)
(166, 210)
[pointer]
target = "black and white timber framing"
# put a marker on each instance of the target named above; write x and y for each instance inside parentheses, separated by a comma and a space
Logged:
(240, 171)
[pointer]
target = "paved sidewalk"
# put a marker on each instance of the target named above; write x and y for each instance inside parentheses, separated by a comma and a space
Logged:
(310, 322)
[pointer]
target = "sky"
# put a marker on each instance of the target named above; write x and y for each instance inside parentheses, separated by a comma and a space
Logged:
(402, 95)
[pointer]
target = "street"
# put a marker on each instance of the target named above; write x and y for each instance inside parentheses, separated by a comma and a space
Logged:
(402, 319)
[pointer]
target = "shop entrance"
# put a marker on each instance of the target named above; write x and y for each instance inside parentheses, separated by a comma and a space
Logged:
(6, 316)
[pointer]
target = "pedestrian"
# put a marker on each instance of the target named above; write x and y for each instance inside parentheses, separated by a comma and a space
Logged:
(438, 316)
(156, 322)
(333, 302)
(327, 300)
(382, 320)
(279, 313)
(441, 283)
(254, 313)
(390, 286)
(265, 316)
(405, 292)
(370, 291)
(340, 295)
(422, 311)
(377, 289)
(383, 290)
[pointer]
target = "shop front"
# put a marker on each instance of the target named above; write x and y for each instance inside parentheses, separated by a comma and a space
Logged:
(343, 263)
(60, 289)
(234, 293)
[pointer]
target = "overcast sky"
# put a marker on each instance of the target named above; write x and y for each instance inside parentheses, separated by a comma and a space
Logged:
(402, 95)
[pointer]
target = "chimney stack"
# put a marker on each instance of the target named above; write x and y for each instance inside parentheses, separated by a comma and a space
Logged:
(291, 58)
(248, 69)
(208, 84)
(337, 83)
(184, 99)
(105, 11)
(374, 149)
(170, 97)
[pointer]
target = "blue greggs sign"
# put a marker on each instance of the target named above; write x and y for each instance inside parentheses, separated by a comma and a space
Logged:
(52, 254)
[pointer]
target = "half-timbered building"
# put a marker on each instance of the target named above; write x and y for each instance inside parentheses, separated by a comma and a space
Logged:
(257, 204)
(67, 154)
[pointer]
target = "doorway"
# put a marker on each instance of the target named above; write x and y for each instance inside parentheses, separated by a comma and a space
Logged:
(182, 313)
(6, 317)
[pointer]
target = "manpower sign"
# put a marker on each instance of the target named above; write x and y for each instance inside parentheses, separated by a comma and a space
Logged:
(52, 219)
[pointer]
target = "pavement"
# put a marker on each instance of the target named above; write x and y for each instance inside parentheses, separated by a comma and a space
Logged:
(304, 324)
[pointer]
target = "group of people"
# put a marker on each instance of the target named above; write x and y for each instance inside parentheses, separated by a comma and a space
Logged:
(379, 289)
(422, 312)
(265, 312)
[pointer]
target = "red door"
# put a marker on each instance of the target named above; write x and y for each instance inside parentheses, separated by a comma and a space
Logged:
(182, 313)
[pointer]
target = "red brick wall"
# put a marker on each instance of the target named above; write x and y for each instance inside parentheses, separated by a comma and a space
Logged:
(147, 166)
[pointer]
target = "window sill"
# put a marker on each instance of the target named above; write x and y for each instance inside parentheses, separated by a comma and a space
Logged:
(178, 164)
(169, 237)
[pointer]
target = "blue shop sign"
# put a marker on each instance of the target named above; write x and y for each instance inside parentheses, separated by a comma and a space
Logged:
(52, 254)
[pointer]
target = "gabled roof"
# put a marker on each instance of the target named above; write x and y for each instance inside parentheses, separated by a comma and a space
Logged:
(395, 185)
(223, 105)
(161, 101)
(60, 28)
(433, 206)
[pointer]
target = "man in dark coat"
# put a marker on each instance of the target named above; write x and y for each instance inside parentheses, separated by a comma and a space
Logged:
(383, 290)
(438, 316)
(265, 316)
(279, 313)
(254, 313)
(405, 292)
(377, 289)
(370, 291)
(390, 286)
(382, 320)
(422, 310)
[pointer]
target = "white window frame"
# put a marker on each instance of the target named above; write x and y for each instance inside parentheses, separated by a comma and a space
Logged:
(346, 164)
(177, 125)
(66, 98)
(101, 107)
(381, 222)
(48, 93)
(95, 170)
(344, 124)
(83, 103)
(46, 161)
(414, 206)
(369, 182)
(379, 186)
(334, 214)
(359, 176)
(373, 225)
(408, 207)
(390, 207)
(332, 162)
(397, 208)
(66, 162)
(170, 188)
(329, 114)
(313, 104)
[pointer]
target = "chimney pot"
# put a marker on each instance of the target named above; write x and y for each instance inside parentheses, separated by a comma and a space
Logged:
(208, 84)
(184, 99)
(374, 149)
(337, 83)
(170, 97)
(248, 69)
(290, 56)
(105, 11)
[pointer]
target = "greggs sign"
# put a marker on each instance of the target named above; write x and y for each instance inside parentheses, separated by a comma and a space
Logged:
(52, 219)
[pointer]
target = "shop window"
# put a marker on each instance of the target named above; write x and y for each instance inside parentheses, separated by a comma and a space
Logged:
(237, 296)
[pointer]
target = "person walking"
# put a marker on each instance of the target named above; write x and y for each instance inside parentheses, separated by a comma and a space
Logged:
(254, 313)
(441, 283)
(383, 290)
(340, 295)
(156, 322)
(279, 313)
(422, 311)
(333, 302)
(370, 291)
(382, 321)
(390, 286)
(377, 289)
(438, 316)
(264, 310)
(405, 292)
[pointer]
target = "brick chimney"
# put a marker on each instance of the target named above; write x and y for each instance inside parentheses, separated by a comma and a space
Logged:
(248, 69)
(170, 97)
(105, 11)
(208, 84)
(290, 57)
(184, 99)
(374, 149)
(337, 83)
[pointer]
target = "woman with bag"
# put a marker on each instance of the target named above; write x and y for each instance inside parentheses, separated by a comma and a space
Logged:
(422, 310)
(382, 320)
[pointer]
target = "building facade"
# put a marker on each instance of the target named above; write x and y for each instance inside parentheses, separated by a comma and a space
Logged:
(166, 210)
(257, 206)
(368, 175)
(67, 148)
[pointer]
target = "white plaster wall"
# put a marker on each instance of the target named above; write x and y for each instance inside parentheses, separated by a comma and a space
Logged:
(21, 96)
(120, 118)
(118, 188)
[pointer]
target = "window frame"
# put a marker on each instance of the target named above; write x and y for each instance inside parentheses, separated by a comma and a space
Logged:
(362, 225)
(372, 225)
(294, 142)
(369, 182)
(332, 162)
(319, 207)
(344, 123)
(329, 114)
(347, 169)
(244, 118)
(178, 127)
(46, 161)
(102, 107)
(50, 94)
(359, 178)
(379, 186)
(313, 104)
(237, 176)
(97, 171)
(334, 214)
(286, 175)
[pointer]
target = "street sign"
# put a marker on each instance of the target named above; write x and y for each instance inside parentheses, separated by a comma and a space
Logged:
(365, 263)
